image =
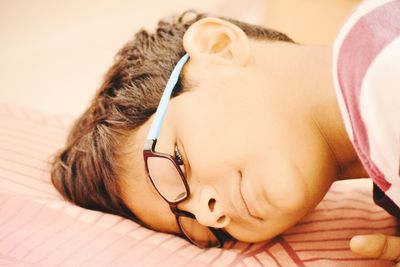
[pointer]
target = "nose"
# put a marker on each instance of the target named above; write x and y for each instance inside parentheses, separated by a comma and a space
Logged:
(207, 206)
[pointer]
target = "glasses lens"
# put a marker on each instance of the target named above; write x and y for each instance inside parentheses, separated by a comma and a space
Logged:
(166, 178)
(197, 233)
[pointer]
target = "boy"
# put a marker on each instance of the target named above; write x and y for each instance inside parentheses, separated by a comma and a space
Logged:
(252, 136)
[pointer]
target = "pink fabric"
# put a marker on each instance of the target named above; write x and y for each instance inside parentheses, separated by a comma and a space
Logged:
(366, 39)
(38, 228)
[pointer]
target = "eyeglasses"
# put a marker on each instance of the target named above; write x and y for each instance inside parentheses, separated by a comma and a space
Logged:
(168, 178)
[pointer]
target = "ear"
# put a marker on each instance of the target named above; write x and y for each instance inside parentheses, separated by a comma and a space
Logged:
(217, 40)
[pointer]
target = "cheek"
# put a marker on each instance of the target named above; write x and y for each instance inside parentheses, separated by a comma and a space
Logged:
(285, 187)
(277, 180)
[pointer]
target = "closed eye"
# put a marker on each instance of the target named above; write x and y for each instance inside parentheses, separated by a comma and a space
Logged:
(180, 160)
(178, 156)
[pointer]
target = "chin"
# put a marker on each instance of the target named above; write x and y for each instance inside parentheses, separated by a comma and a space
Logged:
(251, 235)
(266, 231)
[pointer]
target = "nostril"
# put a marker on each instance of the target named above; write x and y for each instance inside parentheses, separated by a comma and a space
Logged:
(221, 219)
(211, 204)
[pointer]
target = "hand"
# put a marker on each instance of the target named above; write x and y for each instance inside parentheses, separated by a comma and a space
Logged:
(377, 246)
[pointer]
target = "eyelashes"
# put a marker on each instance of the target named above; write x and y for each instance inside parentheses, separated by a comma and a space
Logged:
(178, 156)
(179, 159)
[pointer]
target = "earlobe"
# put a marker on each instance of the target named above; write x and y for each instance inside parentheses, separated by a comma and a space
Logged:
(217, 39)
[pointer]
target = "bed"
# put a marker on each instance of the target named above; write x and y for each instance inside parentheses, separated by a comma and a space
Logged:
(38, 228)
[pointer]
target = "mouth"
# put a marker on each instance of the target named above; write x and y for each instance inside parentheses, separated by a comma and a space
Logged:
(242, 206)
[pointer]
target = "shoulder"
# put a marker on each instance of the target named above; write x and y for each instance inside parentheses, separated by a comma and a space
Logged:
(373, 25)
(372, 16)
(372, 28)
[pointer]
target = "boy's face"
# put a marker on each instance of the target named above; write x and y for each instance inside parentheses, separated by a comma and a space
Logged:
(250, 153)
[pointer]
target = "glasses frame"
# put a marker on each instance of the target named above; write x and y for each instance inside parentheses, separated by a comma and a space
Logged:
(149, 151)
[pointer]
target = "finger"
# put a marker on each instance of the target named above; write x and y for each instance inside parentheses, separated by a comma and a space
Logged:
(377, 246)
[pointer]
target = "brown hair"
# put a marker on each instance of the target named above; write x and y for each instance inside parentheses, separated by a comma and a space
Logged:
(86, 170)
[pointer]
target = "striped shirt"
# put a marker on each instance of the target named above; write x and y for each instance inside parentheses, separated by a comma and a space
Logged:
(366, 70)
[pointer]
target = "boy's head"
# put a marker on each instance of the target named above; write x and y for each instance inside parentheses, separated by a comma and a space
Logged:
(228, 121)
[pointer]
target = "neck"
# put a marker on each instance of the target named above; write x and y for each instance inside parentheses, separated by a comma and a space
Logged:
(310, 72)
(317, 81)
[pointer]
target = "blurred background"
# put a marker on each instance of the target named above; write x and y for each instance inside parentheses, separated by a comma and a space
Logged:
(53, 54)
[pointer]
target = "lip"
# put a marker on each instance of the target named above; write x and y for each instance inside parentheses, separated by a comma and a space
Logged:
(239, 202)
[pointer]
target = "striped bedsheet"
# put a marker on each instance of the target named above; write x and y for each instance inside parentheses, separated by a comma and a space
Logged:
(38, 228)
